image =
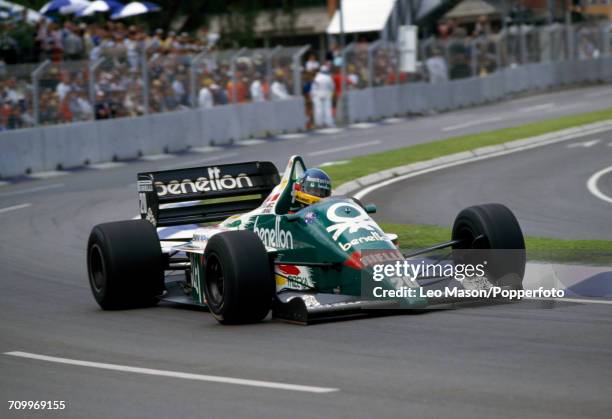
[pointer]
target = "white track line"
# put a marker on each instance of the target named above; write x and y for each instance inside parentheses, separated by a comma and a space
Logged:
(334, 163)
(599, 94)
(574, 300)
(472, 123)
(3, 183)
(584, 144)
(106, 166)
(540, 107)
(363, 125)
(343, 148)
(14, 208)
(36, 189)
(594, 189)
(392, 120)
(174, 374)
(48, 175)
(207, 149)
(198, 161)
(295, 136)
(250, 142)
(156, 157)
(372, 188)
(328, 131)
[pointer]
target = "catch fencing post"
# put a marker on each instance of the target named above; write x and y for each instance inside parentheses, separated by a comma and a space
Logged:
(145, 80)
(606, 30)
(297, 73)
(36, 90)
(269, 57)
(474, 43)
(522, 43)
(233, 70)
(193, 75)
(344, 84)
(569, 31)
(93, 66)
(371, 50)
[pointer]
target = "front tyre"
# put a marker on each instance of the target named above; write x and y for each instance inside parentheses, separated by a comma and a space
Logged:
(125, 264)
(238, 279)
(491, 233)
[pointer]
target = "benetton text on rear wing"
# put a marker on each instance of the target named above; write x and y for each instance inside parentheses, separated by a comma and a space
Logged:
(204, 194)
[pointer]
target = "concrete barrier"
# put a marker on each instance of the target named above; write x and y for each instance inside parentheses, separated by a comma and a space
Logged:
(381, 102)
(73, 145)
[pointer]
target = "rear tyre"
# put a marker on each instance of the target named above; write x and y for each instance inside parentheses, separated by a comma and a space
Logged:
(494, 235)
(125, 264)
(238, 281)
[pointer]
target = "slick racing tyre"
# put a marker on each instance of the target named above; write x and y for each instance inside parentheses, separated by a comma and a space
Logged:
(238, 278)
(491, 234)
(125, 264)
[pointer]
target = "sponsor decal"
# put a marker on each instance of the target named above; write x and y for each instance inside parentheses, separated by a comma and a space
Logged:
(294, 277)
(142, 201)
(373, 257)
(310, 217)
(214, 182)
(197, 262)
(272, 198)
(374, 237)
(274, 237)
(145, 185)
(353, 224)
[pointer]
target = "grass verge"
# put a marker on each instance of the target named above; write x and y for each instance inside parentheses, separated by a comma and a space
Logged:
(372, 163)
(415, 236)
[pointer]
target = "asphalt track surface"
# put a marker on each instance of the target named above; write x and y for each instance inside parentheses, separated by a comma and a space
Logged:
(518, 360)
(545, 187)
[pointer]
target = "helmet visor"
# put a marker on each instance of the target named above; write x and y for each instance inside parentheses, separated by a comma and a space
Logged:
(317, 187)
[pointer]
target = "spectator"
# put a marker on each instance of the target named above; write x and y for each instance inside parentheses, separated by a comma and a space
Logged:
(72, 44)
(81, 107)
(205, 97)
(256, 89)
(436, 67)
(55, 40)
(278, 90)
(321, 93)
(312, 65)
(103, 108)
(179, 92)
(64, 87)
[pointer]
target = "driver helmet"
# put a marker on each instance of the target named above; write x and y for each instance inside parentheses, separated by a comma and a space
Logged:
(313, 186)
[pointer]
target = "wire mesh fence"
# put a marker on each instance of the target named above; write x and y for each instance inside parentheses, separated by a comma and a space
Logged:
(127, 80)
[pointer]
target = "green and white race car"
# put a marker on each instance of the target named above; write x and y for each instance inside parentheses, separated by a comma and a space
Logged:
(224, 237)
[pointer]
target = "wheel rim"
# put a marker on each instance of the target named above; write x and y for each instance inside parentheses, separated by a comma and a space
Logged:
(214, 281)
(468, 234)
(97, 269)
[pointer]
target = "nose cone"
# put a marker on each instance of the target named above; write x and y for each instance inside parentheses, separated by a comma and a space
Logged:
(353, 229)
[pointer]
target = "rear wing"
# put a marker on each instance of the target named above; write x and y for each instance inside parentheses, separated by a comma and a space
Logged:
(204, 194)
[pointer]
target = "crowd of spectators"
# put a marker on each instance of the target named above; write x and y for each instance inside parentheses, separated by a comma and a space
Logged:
(108, 70)
(95, 71)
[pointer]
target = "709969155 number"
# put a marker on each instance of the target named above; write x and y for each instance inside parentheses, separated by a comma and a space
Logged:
(37, 404)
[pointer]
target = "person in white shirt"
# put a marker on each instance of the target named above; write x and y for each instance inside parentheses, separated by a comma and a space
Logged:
(312, 64)
(436, 67)
(205, 97)
(321, 94)
(278, 90)
(256, 89)
(63, 88)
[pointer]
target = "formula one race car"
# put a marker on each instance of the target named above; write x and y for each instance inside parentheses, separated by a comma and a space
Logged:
(302, 266)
